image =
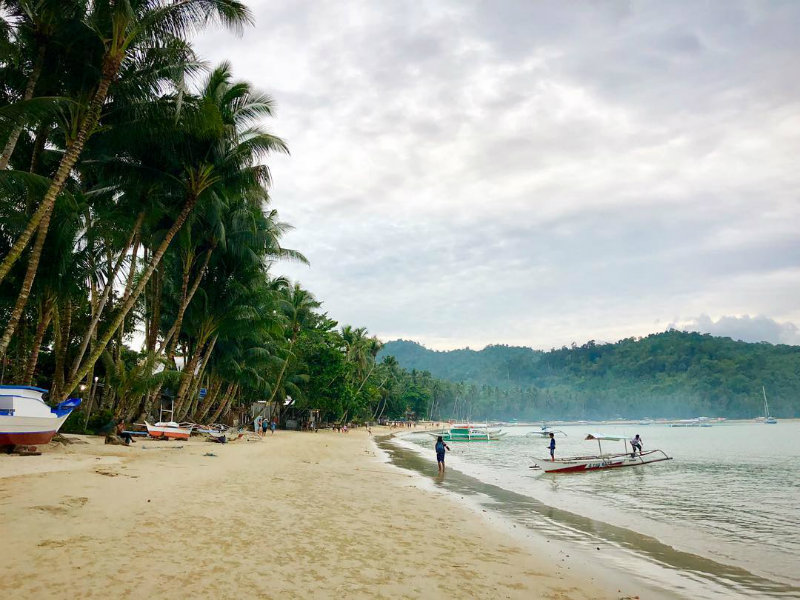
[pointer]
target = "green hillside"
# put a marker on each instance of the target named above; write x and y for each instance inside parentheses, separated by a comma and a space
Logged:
(673, 374)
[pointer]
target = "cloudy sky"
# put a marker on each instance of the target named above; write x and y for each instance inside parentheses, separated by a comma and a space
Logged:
(536, 173)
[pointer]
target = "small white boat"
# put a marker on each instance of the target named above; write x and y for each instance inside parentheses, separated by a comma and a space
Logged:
(767, 419)
(545, 431)
(601, 460)
(25, 418)
(168, 430)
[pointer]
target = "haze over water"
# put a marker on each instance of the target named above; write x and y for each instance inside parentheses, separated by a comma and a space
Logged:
(722, 517)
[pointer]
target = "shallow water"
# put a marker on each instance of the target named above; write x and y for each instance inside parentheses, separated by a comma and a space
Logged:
(720, 520)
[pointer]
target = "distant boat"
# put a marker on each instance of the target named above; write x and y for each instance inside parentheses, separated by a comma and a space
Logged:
(25, 419)
(470, 433)
(767, 419)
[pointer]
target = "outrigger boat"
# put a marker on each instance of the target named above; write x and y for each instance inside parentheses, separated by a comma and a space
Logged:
(601, 460)
(25, 419)
(545, 431)
(169, 429)
(470, 433)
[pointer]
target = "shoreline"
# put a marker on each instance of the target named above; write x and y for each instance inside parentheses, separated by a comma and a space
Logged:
(296, 515)
(658, 567)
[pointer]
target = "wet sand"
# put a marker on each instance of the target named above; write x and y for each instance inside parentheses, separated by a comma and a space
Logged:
(297, 515)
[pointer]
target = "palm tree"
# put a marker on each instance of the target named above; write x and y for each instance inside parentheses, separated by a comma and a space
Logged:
(214, 162)
(127, 30)
(296, 307)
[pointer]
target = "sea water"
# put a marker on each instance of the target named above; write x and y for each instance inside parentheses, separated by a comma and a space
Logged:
(722, 519)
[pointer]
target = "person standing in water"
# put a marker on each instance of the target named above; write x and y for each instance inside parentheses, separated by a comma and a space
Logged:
(552, 447)
(440, 448)
(636, 444)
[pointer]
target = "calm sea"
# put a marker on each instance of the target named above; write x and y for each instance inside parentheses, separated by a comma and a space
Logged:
(721, 520)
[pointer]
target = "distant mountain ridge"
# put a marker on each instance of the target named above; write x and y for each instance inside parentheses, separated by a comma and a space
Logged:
(673, 373)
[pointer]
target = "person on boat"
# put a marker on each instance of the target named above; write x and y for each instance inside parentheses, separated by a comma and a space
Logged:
(552, 447)
(440, 448)
(636, 444)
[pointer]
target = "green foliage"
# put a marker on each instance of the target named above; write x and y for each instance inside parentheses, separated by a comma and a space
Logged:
(672, 374)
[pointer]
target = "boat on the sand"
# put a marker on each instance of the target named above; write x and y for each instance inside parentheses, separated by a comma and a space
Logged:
(26, 419)
(601, 460)
(168, 430)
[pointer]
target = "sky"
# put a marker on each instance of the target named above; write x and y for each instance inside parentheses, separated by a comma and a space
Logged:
(466, 172)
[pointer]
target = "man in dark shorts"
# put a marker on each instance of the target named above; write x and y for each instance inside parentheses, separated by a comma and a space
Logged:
(440, 448)
(552, 447)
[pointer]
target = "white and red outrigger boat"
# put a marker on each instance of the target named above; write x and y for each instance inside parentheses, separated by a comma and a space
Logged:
(26, 420)
(169, 430)
(628, 458)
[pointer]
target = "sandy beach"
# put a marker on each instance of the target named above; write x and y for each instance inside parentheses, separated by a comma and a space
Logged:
(297, 515)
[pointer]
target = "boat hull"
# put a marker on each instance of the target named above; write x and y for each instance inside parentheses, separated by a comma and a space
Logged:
(596, 463)
(159, 431)
(26, 420)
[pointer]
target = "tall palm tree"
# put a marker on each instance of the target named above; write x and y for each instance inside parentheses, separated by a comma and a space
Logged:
(127, 30)
(215, 157)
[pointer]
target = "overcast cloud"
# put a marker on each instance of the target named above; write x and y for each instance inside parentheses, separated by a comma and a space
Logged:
(536, 173)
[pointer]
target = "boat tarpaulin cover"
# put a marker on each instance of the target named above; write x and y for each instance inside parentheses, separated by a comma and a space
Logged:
(600, 436)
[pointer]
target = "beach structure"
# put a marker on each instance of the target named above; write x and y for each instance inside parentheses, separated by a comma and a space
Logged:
(601, 460)
(26, 419)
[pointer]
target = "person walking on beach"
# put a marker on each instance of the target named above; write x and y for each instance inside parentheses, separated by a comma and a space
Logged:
(552, 447)
(272, 427)
(264, 426)
(440, 448)
(636, 444)
(257, 425)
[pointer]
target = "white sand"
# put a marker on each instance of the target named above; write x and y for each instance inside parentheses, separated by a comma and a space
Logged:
(297, 515)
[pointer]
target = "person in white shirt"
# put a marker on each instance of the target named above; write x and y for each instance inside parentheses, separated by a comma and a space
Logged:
(636, 444)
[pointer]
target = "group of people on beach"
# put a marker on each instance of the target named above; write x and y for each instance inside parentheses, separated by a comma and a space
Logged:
(260, 425)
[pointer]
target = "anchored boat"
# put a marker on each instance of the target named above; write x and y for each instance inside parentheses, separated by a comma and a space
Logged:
(26, 419)
(601, 460)
(767, 419)
(470, 433)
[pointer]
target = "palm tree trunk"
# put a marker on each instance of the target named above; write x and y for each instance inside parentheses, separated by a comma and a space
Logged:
(280, 375)
(226, 402)
(194, 386)
(171, 338)
(110, 69)
(41, 329)
(61, 327)
(127, 305)
(213, 392)
(8, 150)
(112, 276)
(188, 374)
(27, 284)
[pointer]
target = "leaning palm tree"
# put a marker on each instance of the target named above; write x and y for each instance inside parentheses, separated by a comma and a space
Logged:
(218, 149)
(297, 307)
(127, 31)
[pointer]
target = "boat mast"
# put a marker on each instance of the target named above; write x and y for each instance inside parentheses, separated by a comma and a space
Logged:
(766, 406)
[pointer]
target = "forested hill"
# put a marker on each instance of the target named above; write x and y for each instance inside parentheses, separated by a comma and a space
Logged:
(671, 374)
